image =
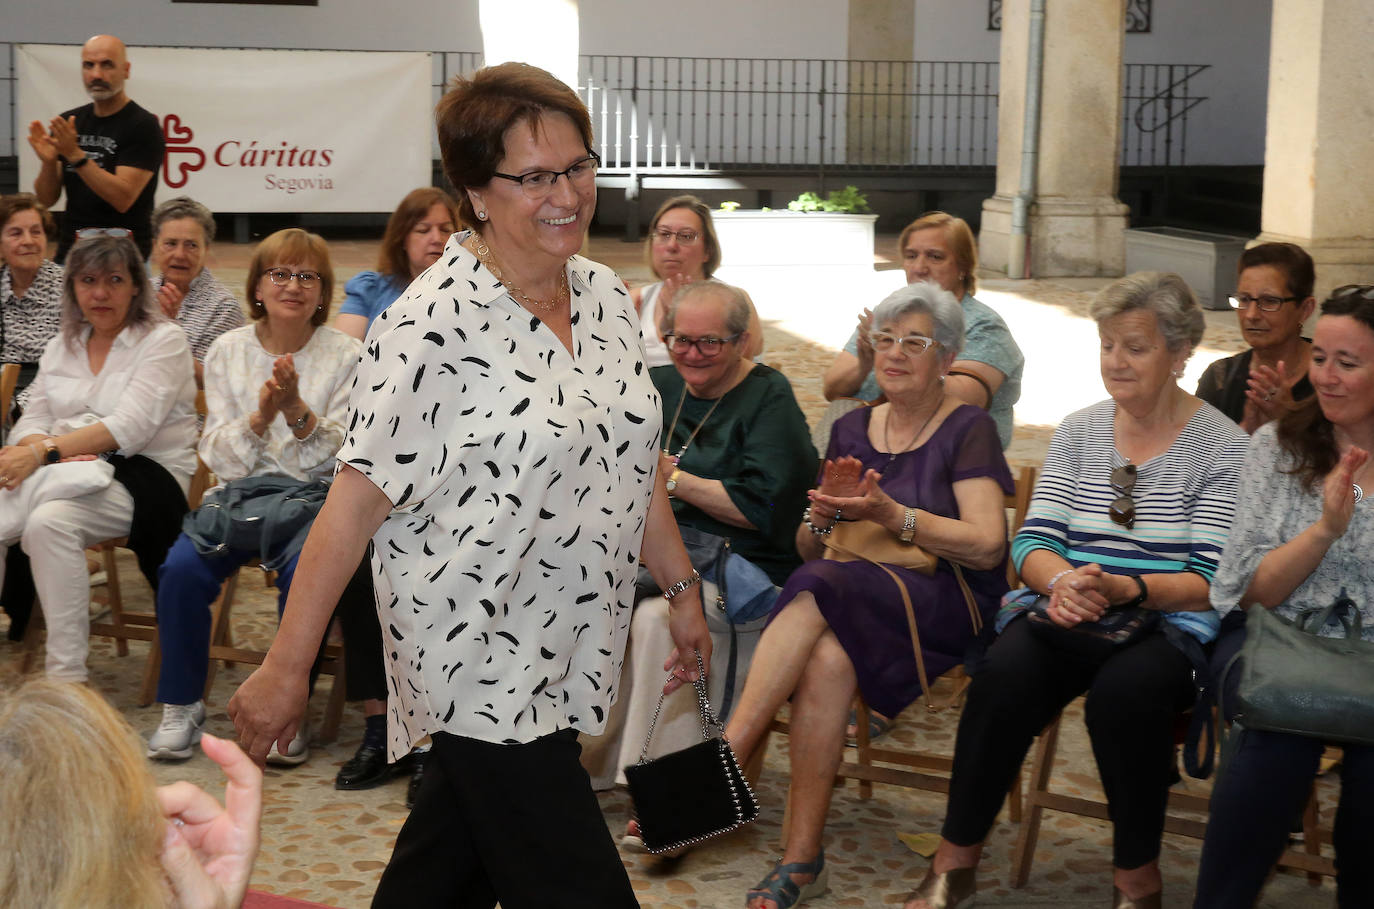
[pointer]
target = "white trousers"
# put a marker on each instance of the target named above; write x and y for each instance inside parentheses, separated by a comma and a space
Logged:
(55, 539)
(641, 682)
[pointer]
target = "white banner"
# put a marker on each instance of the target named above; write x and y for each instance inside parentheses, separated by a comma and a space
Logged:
(260, 131)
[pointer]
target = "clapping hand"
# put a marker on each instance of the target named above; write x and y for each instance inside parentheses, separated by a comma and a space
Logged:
(1338, 492)
(63, 133)
(208, 850)
(284, 384)
(1268, 395)
(860, 498)
(865, 327)
(169, 297)
(42, 143)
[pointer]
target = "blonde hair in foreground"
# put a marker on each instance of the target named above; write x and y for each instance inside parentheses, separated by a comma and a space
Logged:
(79, 819)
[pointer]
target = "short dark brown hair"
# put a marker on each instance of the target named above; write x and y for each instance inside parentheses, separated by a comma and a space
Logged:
(102, 255)
(474, 114)
(958, 235)
(708, 231)
(14, 203)
(1305, 432)
(391, 258)
(1298, 271)
(292, 245)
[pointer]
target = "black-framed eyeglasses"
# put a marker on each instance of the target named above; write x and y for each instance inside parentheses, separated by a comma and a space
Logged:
(1122, 510)
(911, 345)
(686, 236)
(538, 184)
(282, 277)
(1266, 302)
(1363, 291)
(90, 233)
(707, 347)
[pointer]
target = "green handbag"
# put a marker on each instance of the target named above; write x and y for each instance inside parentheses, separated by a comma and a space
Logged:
(1293, 681)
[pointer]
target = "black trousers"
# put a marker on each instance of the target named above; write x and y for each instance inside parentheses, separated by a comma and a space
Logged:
(364, 663)
(1133, 701)
(518, 824)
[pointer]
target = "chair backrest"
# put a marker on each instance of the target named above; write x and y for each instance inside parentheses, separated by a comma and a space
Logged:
(9, 377)
(1018, 503)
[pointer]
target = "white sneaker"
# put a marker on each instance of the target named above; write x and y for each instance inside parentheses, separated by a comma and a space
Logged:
(298, 752)
(179, 730)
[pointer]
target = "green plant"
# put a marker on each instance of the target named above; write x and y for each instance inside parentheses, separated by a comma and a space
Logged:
(729, 206)
(848, 200)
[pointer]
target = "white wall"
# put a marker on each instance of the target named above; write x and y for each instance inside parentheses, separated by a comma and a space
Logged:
(716, 28)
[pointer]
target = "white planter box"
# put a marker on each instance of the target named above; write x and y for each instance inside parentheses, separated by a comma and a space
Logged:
(750, 239)
(1207, 261)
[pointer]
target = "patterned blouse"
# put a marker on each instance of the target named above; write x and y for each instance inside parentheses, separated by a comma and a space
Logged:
(207, 311)
(28, 322)
(1184, 500)
(520, 477)
(1274, 508)
(236, 368)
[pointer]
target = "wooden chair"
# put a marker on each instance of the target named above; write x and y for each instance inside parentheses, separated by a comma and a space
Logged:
(9, 378)
(1039, 797)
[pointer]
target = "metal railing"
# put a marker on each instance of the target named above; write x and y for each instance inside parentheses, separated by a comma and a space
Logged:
(748, 114)
(1158, 98)
(739, 114)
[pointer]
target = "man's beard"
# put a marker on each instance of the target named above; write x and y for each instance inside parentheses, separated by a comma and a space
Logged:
(100, 92)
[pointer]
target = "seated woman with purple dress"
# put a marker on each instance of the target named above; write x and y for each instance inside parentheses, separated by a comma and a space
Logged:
(929, 469)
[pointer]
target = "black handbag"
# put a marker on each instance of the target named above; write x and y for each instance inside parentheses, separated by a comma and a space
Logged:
(689, 796)
(1292, 680)
(1095, 641)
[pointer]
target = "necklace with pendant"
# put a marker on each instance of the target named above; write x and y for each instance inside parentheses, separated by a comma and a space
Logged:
(891, 453)
(677, 413)
(484, 256)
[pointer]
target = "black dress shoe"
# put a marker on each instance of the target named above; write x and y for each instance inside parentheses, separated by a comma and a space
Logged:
(367, 768)
(416, 776)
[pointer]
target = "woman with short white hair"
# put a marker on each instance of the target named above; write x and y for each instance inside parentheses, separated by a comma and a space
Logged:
(929, 470)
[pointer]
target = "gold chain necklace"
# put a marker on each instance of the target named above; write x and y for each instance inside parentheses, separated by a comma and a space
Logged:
(484, 256)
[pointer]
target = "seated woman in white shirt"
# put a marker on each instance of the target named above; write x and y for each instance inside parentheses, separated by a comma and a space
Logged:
(276, 394)
(116, 379)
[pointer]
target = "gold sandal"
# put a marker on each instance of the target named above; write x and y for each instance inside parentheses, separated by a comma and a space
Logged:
(954, 889)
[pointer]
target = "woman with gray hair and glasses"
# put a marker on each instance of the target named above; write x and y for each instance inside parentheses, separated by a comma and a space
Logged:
(116, 381)
(186, 291)
(929, 470)
(1132, 509)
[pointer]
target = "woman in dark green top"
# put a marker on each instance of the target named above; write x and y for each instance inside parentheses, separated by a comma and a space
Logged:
(737, 451)
(739, 461)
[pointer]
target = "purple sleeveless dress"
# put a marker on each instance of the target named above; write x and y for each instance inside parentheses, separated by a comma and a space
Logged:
(860, 601)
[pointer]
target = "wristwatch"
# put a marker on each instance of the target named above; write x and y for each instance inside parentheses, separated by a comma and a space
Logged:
(300, 424)
(50, 453)
(908, 526)
(671, 485)
(77, 165)
(1140, 597)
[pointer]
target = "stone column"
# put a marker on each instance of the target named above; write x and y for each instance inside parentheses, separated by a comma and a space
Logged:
(1318, 183)
(882, 38)
(1076, 220)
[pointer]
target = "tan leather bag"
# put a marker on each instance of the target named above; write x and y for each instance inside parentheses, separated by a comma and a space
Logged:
(869, 541)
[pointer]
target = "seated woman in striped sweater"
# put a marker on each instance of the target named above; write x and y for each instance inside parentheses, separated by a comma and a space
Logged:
(1132, 508)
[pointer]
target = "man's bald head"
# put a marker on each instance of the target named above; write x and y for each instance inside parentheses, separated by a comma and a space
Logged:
(104, 67)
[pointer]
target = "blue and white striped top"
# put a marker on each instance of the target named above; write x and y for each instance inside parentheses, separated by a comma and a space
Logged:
(1185, 500)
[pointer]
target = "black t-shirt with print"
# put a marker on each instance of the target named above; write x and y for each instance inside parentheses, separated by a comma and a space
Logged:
(130, 137)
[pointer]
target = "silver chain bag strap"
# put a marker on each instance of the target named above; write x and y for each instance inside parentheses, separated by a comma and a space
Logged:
(689, 796)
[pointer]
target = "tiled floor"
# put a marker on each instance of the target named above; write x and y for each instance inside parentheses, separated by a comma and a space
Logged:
(330, 846)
